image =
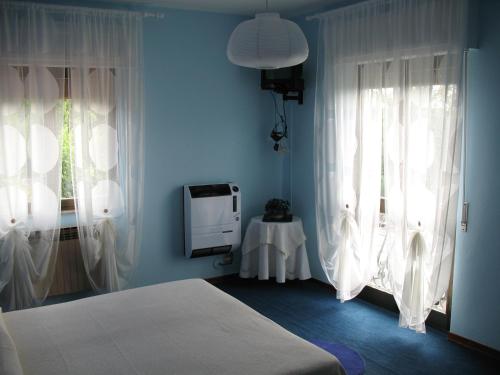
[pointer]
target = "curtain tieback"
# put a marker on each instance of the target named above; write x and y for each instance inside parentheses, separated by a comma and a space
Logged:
(105, 235)
(15, 237)
(413, 295)
(16, 253)
(349, 230)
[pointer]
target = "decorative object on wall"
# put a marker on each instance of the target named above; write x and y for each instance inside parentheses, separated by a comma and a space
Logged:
(279, 134)
(267, 42)
(277, 210)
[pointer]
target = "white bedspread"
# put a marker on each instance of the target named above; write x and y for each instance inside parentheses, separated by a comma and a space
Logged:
(181, 327)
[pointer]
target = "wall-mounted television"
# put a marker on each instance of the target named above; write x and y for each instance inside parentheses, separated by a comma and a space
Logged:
(285, 81)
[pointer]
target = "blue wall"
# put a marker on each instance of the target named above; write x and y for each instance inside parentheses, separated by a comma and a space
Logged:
(302, 171)
(476, 295)
(206, 121)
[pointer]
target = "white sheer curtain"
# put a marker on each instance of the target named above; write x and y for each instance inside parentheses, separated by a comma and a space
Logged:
(387, 116)
(104, 51)
(100, 53)
(31, 89)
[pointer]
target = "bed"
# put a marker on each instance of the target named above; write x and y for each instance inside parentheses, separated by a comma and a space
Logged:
(181, 327)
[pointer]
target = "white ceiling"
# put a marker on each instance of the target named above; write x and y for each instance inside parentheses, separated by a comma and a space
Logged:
(241, 7)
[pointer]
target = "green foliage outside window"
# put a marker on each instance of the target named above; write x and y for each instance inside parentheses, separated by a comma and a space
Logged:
(66, 180)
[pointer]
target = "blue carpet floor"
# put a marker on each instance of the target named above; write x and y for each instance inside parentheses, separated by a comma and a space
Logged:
(311, 311)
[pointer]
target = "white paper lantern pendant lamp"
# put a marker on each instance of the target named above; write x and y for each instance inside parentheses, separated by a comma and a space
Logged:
(267, 42)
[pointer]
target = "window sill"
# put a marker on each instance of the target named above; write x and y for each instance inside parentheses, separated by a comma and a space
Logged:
(68, 219)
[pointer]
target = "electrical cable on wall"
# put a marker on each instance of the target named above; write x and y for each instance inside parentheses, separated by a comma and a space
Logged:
(279, 134)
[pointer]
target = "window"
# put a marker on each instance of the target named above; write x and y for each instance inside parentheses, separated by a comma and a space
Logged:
(67, 201)
(419, 87)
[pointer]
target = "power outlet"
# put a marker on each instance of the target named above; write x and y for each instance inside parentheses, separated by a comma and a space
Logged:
(227, 259)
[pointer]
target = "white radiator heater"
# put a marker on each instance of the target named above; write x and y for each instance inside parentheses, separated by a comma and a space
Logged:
(212, 219)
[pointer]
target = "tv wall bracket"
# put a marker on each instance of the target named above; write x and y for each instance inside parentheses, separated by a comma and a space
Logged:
(287, 82)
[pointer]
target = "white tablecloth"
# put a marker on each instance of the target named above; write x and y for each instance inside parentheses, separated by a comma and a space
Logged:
(274, 250)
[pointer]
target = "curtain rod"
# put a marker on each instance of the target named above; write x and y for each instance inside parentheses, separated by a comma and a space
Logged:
(318, 16)
(57, 7)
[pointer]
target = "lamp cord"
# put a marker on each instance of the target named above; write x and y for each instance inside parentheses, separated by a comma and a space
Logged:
(280, 121)
(275, 109)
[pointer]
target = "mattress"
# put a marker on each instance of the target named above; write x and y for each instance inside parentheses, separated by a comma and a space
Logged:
(181, 327)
